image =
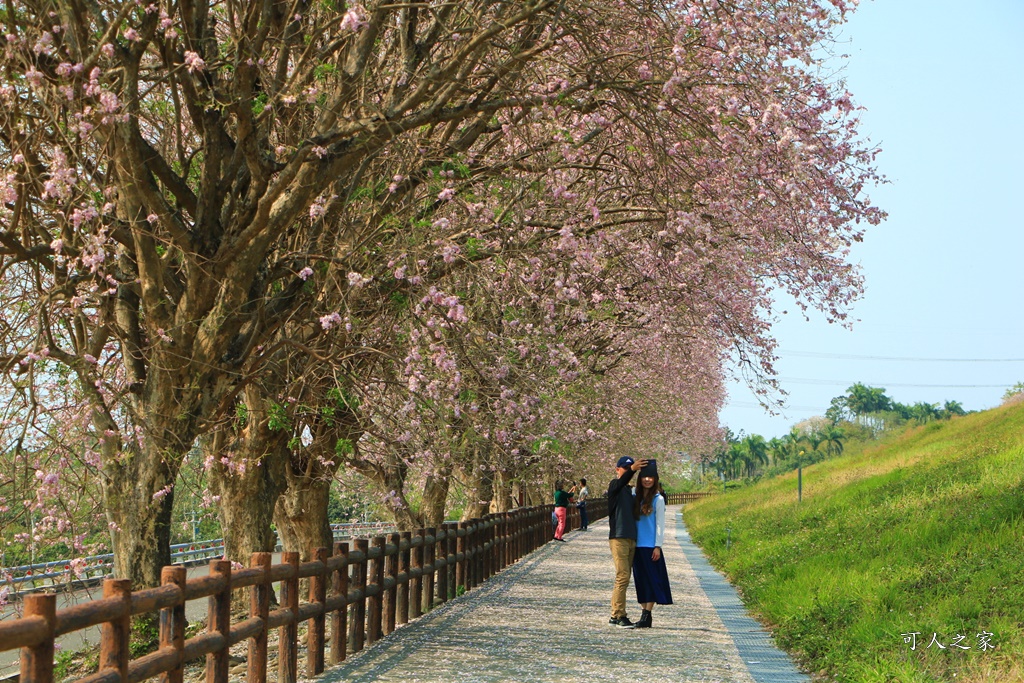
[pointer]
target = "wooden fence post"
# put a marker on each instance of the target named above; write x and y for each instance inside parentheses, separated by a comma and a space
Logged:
(404, 556)
(535, 528)
(506, 545)
(517, 536)
(497, 548)
(544, 530)
(451, 552)
(472, 541)
(375, 606)
(484, 549)
(491, 553)
(339, 618)
(466, 529)
(37, 661)
(531, 526)
(416, 569)
(288, 635)
(390, 602)
(473, 547)
(428, 569)
(441, 556)
(460, 555)
(115, 635)
(259, 606)
(318, 626)
(524, 541)
(219, 621)
(499, 541)
(172, 621)
(357, 624)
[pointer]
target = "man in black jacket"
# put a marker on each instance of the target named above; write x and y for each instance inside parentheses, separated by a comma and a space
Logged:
(622, 534)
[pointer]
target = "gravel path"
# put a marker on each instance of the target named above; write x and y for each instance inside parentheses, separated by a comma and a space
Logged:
(546, 619)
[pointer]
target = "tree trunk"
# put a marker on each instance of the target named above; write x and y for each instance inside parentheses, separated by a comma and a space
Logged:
(503, 492)
(142, 518)
(435, 498)
(138, 492)
(247, 500)
(248, 473)
(389, 482)
(301, 515)
(479, 481)
(405, 519)
(534, 496)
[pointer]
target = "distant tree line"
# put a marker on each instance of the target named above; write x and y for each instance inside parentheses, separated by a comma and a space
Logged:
(870, 406)
(863, 412)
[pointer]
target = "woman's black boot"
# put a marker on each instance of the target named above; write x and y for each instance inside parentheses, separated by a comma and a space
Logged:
(645, 619)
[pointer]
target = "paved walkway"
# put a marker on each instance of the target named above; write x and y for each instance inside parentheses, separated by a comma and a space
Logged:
(546, 619)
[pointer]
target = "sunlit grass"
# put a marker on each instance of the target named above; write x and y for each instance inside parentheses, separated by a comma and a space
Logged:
(923, 533)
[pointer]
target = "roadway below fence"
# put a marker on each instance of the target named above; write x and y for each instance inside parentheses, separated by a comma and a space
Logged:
(89, 637)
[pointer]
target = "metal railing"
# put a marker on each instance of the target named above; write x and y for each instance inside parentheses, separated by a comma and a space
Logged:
(86, 571)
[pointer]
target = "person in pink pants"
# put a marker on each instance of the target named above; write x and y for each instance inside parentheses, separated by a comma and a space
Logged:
(562, 500)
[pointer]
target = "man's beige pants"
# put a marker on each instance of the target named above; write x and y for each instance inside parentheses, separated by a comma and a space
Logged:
(622, 556)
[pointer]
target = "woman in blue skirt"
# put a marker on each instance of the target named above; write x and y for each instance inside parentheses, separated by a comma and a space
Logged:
(650, 575)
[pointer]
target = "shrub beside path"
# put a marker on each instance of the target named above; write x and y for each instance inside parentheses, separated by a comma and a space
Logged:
(546, 619)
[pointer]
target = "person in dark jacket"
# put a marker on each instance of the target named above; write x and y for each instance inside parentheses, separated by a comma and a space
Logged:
(622, 534)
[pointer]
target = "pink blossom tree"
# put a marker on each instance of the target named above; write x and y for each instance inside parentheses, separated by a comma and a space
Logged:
(221, 209)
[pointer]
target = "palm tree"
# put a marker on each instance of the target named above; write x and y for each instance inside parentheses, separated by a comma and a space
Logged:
(924, 412)
(757, 452)
(778, 448)
(952, 408)
(863, 400)
(813, 440)
(791, 444)
(833, 438)
(738, 459)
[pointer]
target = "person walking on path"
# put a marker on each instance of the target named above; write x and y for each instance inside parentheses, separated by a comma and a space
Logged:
(581, 503)
(650, 575)
(562, 500)
(622, 534)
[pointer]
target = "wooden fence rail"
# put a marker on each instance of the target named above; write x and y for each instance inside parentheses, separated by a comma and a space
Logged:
(688, 497)
(363, 591)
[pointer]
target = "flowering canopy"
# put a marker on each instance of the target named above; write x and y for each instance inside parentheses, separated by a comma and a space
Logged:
(515, 202)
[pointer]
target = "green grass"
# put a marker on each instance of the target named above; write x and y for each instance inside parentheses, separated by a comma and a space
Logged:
(924, 533)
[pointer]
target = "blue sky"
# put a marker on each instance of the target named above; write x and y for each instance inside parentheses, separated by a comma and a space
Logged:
(943, 85)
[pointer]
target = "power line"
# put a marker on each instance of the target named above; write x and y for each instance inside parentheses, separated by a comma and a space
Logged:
(849, 356)
(751, 404)
(837, 382)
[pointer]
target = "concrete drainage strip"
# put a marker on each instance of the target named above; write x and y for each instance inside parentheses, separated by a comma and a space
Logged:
(766, 663)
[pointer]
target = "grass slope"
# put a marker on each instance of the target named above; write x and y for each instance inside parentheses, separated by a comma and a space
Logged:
(924, 533)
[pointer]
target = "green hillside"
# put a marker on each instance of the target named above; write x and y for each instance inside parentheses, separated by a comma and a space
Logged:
(924, 533)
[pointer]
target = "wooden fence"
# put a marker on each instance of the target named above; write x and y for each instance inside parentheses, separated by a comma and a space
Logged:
(364, 590)
(688, 497)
